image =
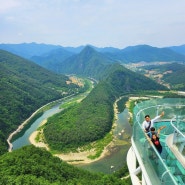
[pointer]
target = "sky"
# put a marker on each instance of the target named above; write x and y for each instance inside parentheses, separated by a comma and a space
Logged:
(101, 23)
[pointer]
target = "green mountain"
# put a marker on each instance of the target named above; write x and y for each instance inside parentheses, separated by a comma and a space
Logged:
(30, 165)
(92, 119)
(172, 74)
(44, 54)
(27, 50)
(146, 53)
(52, 59)
(92, 61)
(124, 81)
(178, 49)
(25, 87)
(87, 63)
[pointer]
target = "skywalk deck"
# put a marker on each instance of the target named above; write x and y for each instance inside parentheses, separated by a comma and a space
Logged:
(167, 168)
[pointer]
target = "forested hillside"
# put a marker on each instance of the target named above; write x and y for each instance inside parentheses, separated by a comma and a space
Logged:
(92, 118)
(52, 59)
(145, 53)
(172, 74)
(24, 88)
(41, 52)
(87, 63)
(31, 165)
(178, 49)
(125, 81)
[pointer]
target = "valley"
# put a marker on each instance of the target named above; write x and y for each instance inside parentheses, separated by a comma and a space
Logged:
(154, 70)
(86, 123)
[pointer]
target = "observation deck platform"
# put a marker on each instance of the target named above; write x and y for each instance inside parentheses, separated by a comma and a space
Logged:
(146, 165)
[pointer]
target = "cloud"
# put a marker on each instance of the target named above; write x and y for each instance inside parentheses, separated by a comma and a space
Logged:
(102, 23)
(8, 5)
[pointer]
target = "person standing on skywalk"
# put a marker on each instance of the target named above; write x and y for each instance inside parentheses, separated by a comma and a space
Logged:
(148, 122)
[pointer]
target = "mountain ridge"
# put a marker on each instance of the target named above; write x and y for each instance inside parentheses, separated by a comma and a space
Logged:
(146, 53)
(88, 62)
(25, 86)
(29, 50)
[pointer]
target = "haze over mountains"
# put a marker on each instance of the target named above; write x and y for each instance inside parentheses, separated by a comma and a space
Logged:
(29, 82)
(128, 54)
(29, 86)
(90, 60)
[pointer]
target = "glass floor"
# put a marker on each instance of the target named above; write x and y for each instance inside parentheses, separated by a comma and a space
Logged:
(169, 167)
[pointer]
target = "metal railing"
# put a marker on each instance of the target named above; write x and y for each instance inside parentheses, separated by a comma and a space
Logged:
(163, 169)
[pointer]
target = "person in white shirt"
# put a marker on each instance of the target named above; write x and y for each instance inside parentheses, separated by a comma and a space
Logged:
(148, 123)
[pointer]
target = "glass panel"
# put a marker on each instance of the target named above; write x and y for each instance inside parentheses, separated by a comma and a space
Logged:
(166, 168)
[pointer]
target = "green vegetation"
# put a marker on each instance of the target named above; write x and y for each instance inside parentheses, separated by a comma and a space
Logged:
(82, 94)
(51, 60)
(31, 165)
(121, 103)
(83, 123)
(124, 81)
(24, 88)
(27, 126)
(173, 74)
(88, 63)
(100, 145)
(91, 119)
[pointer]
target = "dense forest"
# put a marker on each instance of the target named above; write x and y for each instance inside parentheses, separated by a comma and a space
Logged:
(172, 74)
(92, 119)
(30, 165)
(88, 62)
(52, 59)
(83, 123)
(24, 88)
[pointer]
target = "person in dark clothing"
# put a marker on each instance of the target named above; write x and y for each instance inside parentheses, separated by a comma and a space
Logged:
(156, 142)
(154, 139)
(152, 131)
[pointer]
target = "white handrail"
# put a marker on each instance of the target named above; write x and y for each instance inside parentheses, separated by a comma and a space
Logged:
(171, 120)
(177, 129)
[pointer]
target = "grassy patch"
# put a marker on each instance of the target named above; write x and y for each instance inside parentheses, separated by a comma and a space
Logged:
(37, 138)
(100, 145)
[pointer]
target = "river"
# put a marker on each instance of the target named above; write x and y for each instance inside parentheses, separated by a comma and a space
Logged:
(117, 157)
(108, 164)
(24, 139)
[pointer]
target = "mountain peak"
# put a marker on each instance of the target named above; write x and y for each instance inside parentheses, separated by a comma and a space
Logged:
(88, 48)
(88, 52)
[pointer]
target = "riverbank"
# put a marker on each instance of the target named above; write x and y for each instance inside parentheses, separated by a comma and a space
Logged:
(21, 126)
(80, 157)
